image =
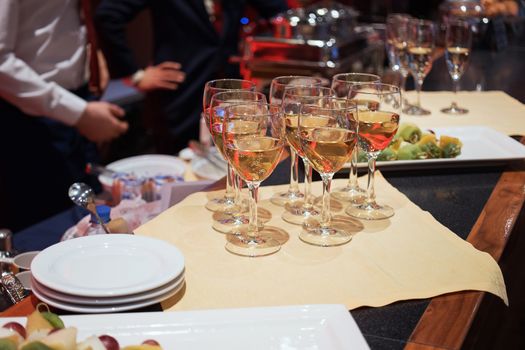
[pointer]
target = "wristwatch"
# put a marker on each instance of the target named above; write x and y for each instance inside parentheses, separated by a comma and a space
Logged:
(137, 76)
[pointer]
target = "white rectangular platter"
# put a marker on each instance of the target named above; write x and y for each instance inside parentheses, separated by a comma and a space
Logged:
(286, 327)
(481, 146)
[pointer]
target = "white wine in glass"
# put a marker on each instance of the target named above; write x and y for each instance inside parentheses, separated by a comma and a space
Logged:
(458, 40)
(277, 87)
(254, 157)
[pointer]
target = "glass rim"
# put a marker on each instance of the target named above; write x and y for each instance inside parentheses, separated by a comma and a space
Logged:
(291, 87)
(210, 82)
(223, 93)
(371, 75)
(272, 109)
(393, 89)
(353, 104)
(275, 80)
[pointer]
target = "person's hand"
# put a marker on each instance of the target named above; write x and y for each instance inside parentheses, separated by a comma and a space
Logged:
(100, 122)
(166, 75)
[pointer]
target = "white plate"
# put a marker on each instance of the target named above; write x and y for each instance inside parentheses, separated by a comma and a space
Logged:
(97, 309)
(132, 298)
(205, 170)
(287, 327)
(107, 265)
(481, 145)
(145, 166)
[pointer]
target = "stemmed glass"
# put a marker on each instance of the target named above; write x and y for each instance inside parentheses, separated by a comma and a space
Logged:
(254, 155)
(421, 37)
(211, 88)
(341, 84)
(277, 88)
(294, 98)
(458, 40)
(232, 217)
(378, 109)
(397, 47)
(327, 148)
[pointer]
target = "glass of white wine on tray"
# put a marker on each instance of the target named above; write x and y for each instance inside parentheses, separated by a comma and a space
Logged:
(378, 109)
(277, 88)
(421, 37)
(327, 146)
(458, 40)
(211, 88)
(232, 216)
(254, 156)
(341, 84)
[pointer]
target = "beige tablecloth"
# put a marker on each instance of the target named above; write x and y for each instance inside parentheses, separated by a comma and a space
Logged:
(409, 256)
(494, 109)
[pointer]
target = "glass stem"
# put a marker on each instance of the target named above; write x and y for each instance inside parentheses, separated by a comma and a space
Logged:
(238, 200)
(308, 202)
(230, 179)
(294, 172)
(352, 178)
(370, 191)
(254, 197)
(419, 83)
(326, 215)
(455, 84)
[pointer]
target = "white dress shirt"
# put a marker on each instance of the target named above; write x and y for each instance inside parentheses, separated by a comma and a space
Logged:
(42, 55)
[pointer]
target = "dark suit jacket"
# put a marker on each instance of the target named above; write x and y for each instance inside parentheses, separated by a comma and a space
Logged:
(182, 33)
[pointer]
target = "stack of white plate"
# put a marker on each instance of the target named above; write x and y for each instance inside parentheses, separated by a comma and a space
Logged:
(107, 273)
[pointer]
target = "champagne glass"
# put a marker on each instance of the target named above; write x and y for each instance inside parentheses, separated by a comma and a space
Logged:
(295, 96)
(397, 47)
(276, 96)
(421, 37)
(458, 40)
(211, 88)
(254, 156)
(327, 148)
(341, 84)
(378, 109)
(231, 217)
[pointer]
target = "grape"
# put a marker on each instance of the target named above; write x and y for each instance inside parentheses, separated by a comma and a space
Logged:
(109, 342)
(17, 327)
(151, 342)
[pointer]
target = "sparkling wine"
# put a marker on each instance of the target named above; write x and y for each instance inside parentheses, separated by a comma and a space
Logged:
(457, 58)
(292, 136)
(420, 60)
(376, 129)
(328, 149)
(236, 128)
(254, 158)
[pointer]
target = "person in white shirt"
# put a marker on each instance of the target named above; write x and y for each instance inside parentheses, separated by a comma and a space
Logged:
(47, 122)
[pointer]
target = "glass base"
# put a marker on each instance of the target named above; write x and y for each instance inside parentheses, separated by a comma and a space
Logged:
(370, 211)
(415, 110)
(454, 109)
(222, 204)
(228, 223)
(353, 194)
(340, 231)
(268, 241)
(282, 198)
(295, 213)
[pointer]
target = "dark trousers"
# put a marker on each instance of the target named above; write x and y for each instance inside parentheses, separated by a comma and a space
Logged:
(39, 159)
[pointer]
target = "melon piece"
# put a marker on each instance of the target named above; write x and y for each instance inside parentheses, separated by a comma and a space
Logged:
(63, 339)
(91, 343)
(36, 322)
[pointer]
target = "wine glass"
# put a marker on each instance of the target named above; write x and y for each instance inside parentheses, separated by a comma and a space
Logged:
(421, 37)
(211, 88)
(231, 217)
(378, 109)
(458, 41)
(254, 156)
(328, 145)
(341, 84)
(295, 96)
(276, 96)
(397, 47)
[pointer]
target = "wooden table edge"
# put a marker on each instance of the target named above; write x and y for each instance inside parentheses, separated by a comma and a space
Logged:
(447, 319)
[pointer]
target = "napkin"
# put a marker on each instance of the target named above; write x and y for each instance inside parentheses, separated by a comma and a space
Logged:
(408, 256)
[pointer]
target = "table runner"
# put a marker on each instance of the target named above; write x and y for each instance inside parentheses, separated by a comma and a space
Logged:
(409, 256)
(494, 109)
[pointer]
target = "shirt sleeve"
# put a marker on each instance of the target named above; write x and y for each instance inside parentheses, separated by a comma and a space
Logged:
(22, 86)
